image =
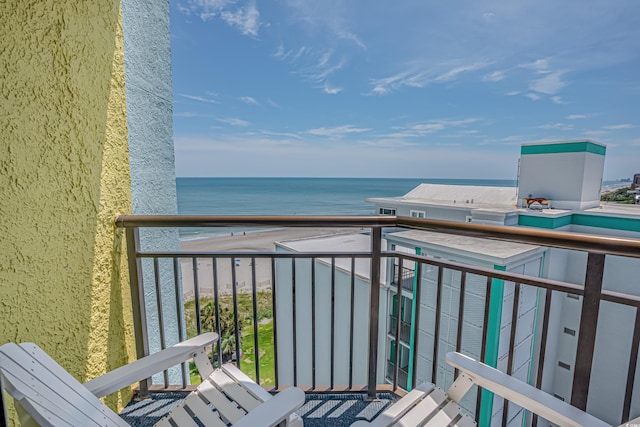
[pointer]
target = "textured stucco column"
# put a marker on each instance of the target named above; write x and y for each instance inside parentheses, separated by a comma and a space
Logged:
(149, 118)
(64, 175)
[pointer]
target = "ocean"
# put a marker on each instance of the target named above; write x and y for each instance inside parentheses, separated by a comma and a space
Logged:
(296, 196)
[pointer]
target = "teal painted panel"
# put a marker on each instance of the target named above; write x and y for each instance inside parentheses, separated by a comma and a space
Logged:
(544, 222)
(493, 341)
(615, 223)
(566, 147)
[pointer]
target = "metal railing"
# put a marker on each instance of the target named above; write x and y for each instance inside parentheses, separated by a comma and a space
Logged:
(296, 276)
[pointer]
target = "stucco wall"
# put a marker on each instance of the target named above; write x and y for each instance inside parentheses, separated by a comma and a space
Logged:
(149, 117)
(64, 174)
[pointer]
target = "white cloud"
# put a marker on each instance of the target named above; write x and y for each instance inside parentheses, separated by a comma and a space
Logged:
(577, 116)
(558, 100)
(249, 100)
(331, 90)
(550, 84)
(273, 103)
(247, 20)
(513, 93)
(496, 76)
(233, 121)
(532, 96)
(336, 132)
(431, 126)
(618, 127)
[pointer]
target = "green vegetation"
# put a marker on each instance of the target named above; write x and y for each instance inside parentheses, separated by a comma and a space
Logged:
(227, 335)
(620, 195)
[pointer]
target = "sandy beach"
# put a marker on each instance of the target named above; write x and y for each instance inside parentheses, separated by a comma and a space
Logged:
(250, 242)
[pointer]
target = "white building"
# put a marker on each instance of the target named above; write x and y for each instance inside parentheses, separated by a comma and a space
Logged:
(559, 188)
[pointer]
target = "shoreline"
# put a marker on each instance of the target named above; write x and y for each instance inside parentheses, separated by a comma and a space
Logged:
(259, 241)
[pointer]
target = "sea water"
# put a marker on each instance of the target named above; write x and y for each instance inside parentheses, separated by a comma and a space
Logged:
(295, 196)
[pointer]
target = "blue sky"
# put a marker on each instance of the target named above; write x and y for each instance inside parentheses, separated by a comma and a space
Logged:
(412, 88)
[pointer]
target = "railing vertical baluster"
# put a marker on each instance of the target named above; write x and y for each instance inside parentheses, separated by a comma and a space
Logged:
(256, 354)
(374, 309)
(333, 320)
(512, 342)
(216, 303)
(483, 343)
(543, 346)
(396, 335)
(587, 333)
(163, 344)
(463, 288)
(293, 308)
(274, 312)
(236, 315)
(137, 302)
(436, 328)
(631, 372)
(351, 320)
(196, 294)
(179, 308)
(313, 323)
(416, 326)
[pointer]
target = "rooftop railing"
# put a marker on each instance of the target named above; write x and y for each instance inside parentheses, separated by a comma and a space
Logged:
(329, 321)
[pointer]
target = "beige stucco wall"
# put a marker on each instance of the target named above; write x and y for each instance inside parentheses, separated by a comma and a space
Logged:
(64, 174)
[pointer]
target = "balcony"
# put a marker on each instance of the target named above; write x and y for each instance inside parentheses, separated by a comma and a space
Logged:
(327, 332)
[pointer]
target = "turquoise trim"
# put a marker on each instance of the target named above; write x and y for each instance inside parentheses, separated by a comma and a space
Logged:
(414, 309)
(597, 221)
(565, 147)
(493, 341)
(544, 221)
(615, 223)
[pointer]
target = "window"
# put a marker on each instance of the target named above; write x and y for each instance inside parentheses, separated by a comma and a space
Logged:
(387, 211)
(417, 214)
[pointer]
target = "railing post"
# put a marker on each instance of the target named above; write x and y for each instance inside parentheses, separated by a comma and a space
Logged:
(137, 301)
(587, 333)
(374, 308)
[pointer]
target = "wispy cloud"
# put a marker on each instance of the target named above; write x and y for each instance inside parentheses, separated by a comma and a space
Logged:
(558, 100)
(577, 116)
(246, 19)
(273, 103)
(199, 98)
(233, 121)
(557, 126)
(532, 96)
(336, 132)
(496, 76)
(325, 66)
(422, 77)
(512, 93)
(331, 90)
(249, 100)
(420, 129)
(619, 127)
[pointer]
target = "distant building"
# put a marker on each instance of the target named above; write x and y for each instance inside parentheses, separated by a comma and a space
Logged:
(635, 184)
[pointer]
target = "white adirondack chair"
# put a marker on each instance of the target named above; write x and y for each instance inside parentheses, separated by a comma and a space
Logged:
(428, 405)
(52, 397)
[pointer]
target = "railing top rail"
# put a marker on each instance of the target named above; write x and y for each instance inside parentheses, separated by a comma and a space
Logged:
(557, 239)
(253, 220)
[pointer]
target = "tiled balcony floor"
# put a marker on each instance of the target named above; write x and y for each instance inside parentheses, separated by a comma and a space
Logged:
(326, 410)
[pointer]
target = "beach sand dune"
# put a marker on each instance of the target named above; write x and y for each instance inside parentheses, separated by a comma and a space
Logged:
(263, 241)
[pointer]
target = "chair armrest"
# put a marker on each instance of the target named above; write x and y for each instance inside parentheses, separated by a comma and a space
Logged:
(271, 412)
(149, 365)
(523, 394)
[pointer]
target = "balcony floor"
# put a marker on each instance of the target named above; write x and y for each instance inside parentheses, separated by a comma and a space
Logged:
(330, 410)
